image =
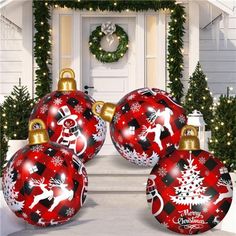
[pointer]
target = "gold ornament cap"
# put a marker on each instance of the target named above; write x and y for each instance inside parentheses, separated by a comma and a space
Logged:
(37, 135)
(106, 110)
(67, 84)
(189, 138)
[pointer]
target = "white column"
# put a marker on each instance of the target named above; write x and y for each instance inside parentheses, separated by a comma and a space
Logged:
(194, 39)
(161, 51)
(27, 43)
(140, 39)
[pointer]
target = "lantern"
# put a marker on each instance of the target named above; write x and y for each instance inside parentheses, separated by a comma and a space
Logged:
(196, 119)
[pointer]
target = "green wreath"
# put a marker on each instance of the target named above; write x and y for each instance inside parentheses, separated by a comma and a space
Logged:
(106, 56)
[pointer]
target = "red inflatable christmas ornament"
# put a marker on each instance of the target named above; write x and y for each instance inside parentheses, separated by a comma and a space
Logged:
(189, 191)
(144, 125)
(69, 119)
(44, 183)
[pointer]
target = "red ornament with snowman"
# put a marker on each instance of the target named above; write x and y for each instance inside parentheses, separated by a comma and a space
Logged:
(69, 119)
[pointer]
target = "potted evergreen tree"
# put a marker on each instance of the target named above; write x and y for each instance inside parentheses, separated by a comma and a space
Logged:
(199, 98)
(15, 115)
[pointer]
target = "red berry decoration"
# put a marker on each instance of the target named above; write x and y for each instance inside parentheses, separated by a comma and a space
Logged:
(190, 191)
(69, 119)
(44, 183)
(144, 125)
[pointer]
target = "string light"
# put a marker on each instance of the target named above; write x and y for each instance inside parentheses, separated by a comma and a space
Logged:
(46, 3)
(115, 3)
(42, 23)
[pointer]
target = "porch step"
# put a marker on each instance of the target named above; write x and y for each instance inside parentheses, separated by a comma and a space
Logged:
(115, 174)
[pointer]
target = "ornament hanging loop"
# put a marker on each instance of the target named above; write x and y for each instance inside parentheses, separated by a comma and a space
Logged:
(37, 135)
(67, 83)
(106, 110)
(189, 138)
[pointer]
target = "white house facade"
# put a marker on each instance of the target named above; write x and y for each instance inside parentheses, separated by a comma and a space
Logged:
(209, 37)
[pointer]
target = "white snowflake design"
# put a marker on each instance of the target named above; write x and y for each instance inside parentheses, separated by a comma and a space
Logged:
(78, 108)
(205, 209)
(43, 108)
(37, 148)
(135, 107)
(24, 215)
(182, 119)
(65, 152)
(162, 171)
(141, 159)
(101, 130)
(70, 212)
(132, 96)
(116, 117)
(19, 162)
(66, 93)
(202, 160)
(57, 161)
(165, 224)
(57, 101)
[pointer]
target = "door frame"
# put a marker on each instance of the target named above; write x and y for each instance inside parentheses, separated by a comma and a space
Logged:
(139, 40)
(77, 17)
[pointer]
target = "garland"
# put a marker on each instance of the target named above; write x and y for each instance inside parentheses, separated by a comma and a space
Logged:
(42, 46)
(105, 56)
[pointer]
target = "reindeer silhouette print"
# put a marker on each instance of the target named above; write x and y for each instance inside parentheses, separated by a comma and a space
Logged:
(49, 194)
(65, 193)
(46, 194)
(166, 114)
(157, 130)
(229, 187)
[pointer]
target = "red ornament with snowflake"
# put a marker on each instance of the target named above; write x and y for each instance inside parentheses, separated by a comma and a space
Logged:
(190, 191)
(44, 183)
(69, 119)
(144, 125)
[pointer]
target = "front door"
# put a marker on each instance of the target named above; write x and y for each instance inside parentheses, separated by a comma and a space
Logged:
(109, 81)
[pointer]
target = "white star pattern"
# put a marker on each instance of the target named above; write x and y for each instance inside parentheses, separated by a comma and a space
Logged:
(57, 101)
(182, 119)
(132, 96)
(57, 161)
(117, 117)
(70, 212)
(43, 108)
(37, 148)
(135, 107)
(79, 108)
(202, 160)
(162, 171)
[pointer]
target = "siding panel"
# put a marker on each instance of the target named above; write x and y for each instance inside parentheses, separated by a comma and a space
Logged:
(219, 64)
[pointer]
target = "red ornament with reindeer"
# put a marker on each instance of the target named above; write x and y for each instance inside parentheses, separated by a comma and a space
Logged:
(69, 119)
(189, 191)
(44, 183)
(144, 125)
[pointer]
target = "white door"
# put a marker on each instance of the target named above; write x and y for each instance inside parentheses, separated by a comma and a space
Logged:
(111, 81)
